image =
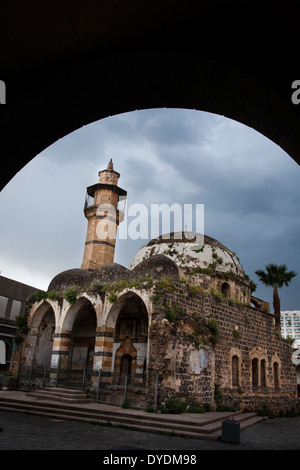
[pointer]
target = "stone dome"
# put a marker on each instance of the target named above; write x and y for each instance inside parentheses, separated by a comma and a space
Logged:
(190, 250)
(110, 273)
(83, 277)
(156, 267)
(71, 277)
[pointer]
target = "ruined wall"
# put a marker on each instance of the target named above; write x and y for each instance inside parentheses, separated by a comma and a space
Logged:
(180, 349)
(193, 339)
(238, 288)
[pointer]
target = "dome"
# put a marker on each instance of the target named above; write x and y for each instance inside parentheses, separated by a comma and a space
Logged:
(190, 250)
(71, 277)
(110, 273)
(156, 267)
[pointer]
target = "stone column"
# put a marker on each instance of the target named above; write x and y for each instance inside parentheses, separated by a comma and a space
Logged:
(103, 353)
(61, 349)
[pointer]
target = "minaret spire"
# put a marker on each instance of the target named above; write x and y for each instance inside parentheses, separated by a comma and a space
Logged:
(110, 165)
(101, 211)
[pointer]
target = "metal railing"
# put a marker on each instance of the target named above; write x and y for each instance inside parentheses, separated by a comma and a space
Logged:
(74, 377)
(32, 377)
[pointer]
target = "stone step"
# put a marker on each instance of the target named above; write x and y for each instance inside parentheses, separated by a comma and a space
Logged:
(60, 394)
(64, 390)
(207, 426)
(137, 425)
(206, 421)
(214, 426)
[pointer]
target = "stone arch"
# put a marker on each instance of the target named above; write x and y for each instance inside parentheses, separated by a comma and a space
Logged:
(42, 324)
(171, 70)
(259, 369)
(125, 333)
(276, 372)
(37, 313)
(254, 303)
(225, 289)
(235, 361)
(263, 372)
(71, 314)
(75, 341)
(255, 371)
(126, 365)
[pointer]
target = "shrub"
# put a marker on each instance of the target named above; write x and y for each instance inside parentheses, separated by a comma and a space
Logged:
(218, 395)
(195, 409)
(112, 297)
(171, 313)
(53, 295)
(196, 337)
(71, 295)
(214, 329)
(174, 406)
(149, 409)
(217, 295)
(21, 323)
(18, 339)
(165, 284)
(236, 334)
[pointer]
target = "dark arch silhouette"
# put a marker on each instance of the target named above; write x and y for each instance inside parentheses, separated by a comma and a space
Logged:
(67, 64)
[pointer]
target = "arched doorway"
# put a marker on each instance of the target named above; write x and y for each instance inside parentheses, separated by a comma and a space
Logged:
(124, 347)
(41, 336)
(83, 341)
(78, 344)
(131, 339)
(125, 368)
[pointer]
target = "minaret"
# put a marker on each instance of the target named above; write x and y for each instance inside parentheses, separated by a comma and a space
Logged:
(103, 215)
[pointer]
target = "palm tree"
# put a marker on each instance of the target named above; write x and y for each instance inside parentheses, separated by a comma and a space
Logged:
(275, 276)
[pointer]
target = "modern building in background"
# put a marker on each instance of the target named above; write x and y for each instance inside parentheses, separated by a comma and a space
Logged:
(290, 327)
(13, 296)
(290, 324)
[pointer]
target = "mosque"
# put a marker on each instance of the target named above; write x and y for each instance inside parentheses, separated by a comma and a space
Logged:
(180, 322)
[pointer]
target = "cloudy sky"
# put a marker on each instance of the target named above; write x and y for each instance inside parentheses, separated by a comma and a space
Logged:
(248, 185)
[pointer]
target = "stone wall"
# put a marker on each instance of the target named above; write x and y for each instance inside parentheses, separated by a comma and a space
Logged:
(193, 339)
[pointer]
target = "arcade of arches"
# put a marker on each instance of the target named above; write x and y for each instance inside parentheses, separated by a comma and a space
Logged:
(92, 334)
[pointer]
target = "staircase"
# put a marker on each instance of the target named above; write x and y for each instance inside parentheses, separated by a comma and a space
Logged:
(59, 405)
(64, 395)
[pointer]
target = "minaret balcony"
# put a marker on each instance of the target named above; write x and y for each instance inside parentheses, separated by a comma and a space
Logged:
(89, 202)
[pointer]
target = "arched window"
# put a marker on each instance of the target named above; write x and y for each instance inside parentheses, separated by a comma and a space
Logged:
(226, 289)
(255, 372)
(276, 374)
(263, 373)
(235, 371)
